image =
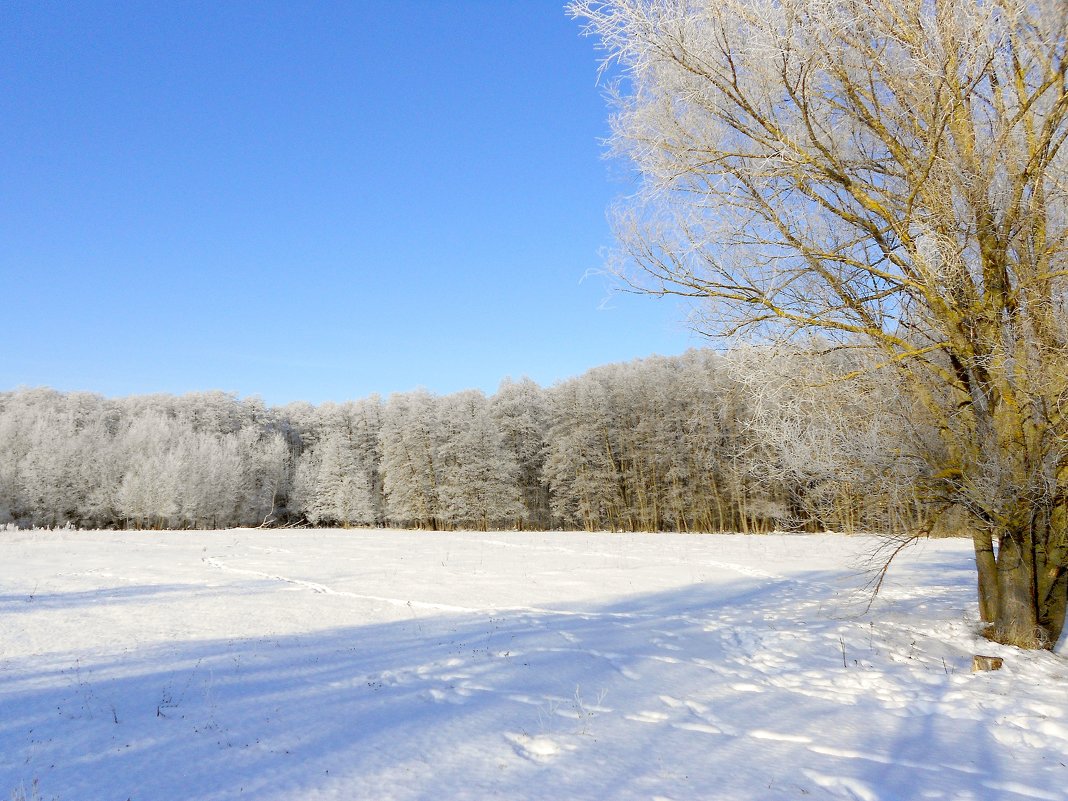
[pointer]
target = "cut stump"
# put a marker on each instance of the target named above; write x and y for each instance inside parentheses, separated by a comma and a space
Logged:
(980, 662)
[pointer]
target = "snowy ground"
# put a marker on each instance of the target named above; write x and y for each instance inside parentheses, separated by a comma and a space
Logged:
(397, 665)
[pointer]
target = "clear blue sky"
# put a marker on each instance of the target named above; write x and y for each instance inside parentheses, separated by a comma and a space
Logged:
(306, 201)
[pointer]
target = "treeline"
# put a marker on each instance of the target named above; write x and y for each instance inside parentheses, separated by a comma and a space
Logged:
(757, 439)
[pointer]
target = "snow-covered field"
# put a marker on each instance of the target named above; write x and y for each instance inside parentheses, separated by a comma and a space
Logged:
(403, 665)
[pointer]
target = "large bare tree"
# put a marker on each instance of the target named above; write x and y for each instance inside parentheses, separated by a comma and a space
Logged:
(890, 173)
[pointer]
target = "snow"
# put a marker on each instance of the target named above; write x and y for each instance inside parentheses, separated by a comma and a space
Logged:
(411, 665)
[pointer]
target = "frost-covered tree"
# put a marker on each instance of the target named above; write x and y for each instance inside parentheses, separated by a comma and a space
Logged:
(148, 496)
(580, 482)
(521, 411)
(411, 476)
(57, 457)
(828, 455)
(614, 445)
(335, 490)
(478, 473)
(272, 459)
(700, 442)
(890, 174)
(337, 474)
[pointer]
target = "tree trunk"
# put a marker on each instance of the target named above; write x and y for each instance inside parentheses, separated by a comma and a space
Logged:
(1053, 605)
(1053, 574)
(1016, 622)
(1032, 585)
(986, 566)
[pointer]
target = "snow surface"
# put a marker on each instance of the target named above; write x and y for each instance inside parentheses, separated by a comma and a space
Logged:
(410, 665)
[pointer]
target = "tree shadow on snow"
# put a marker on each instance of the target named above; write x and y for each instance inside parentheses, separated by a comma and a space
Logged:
(14, 603)
(649, 694)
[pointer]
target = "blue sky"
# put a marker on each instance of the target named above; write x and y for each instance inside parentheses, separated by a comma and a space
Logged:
(306, 201)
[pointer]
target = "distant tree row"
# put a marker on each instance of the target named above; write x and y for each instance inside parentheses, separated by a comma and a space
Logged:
(758, 439)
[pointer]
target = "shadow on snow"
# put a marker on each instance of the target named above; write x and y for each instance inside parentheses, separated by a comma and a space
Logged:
(651, 694)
